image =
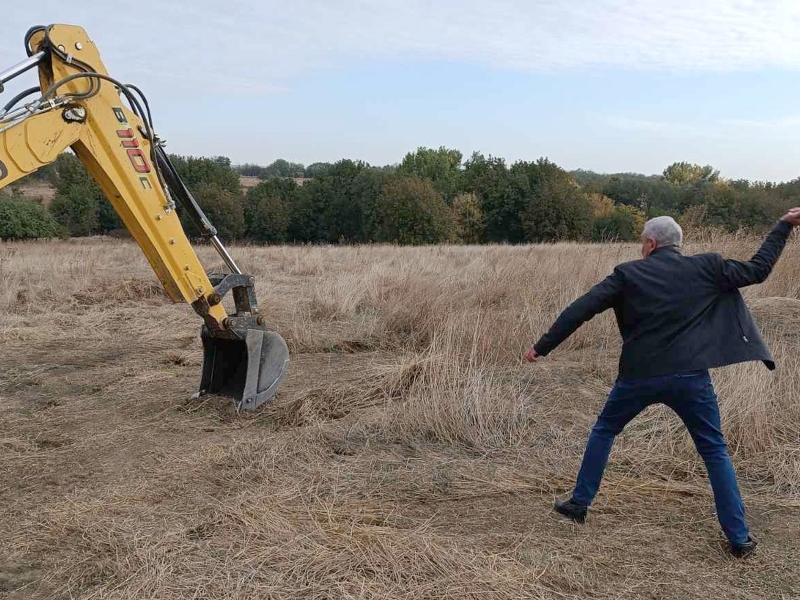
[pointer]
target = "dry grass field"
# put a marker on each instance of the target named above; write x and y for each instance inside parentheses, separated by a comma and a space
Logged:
(409, 455)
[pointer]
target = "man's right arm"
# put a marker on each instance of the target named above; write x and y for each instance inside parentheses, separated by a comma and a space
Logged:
(734, 274)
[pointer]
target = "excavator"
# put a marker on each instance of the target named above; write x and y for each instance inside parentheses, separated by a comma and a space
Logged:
(108, 125)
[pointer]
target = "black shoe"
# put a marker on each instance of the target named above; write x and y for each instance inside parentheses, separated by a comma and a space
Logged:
(571, 510)
(742, 550)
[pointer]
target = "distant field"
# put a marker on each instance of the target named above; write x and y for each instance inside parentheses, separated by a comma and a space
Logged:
(38, 190)
(248, 182)
(409, 455)
(46, 192)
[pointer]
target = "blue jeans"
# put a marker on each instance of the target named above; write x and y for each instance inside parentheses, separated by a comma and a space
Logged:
(692, 397)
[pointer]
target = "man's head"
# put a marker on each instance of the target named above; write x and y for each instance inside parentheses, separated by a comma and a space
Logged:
(660, 232)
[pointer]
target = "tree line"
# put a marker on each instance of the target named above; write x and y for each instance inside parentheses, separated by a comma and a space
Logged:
(432, 196)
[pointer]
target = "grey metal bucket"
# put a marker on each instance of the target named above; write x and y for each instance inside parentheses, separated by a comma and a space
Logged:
(249, 370)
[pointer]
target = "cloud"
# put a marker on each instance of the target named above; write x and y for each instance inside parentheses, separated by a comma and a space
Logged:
(252, 47)
(658, 127)
(673, 130)
(790, 121)
(716, 129)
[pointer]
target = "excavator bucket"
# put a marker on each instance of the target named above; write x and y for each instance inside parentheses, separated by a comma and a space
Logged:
(248, 370)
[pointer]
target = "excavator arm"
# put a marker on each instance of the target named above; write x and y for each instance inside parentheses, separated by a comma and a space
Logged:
(108, 126)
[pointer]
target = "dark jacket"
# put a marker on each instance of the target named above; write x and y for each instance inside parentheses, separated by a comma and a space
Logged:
(678, 313)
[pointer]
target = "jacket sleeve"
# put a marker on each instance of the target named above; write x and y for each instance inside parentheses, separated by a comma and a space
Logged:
(601, 297)
(734, 274)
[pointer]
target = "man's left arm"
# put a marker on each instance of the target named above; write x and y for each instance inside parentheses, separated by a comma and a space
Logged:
(601, 297)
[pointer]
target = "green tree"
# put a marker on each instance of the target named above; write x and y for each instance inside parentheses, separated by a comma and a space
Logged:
(557, 211)
(555, 207)
(214, 183)
(410, 211)
(622, 224)
(624, 190)
(224, 208)
(788, 192)
(77, 210)
(589, 179)
(469, 220)
(441, 167)
(251, 170)
(650, 194)
(336, 207)
(307, 222)
(684, 173)
(107, 218)
(23, 219)
(195, 170)
(484, 176)
(737, 206)
(268, 206)
(719, 203)
(365, 189)
(80, 205)
(318, 169)
(284, 168)
(354, 189)
(501, 202)
(602, 206)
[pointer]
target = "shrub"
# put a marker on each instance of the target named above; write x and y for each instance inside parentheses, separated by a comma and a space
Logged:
(23, 219)
(267, 210)
(470, 223)
(623, 224)
(410, 211)
(224, 208)
(80, 205)
(76, 209)
(557, 210)
(602, 206)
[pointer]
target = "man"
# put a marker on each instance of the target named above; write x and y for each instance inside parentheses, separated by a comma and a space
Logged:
(678, 316)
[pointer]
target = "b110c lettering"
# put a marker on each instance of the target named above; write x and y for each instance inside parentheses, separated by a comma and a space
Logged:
(135, 154)
(131, 144)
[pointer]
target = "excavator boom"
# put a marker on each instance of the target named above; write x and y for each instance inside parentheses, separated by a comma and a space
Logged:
(108, 126)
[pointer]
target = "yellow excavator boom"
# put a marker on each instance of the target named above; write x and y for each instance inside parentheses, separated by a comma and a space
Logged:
(108, 126)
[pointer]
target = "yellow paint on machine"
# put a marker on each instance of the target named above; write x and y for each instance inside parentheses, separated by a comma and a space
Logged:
(111, 146)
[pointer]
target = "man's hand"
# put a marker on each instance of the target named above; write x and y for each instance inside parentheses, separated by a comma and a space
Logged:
(792, 217)
(531, 355)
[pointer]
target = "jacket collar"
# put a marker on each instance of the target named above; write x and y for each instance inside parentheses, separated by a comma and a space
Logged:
(666, 249)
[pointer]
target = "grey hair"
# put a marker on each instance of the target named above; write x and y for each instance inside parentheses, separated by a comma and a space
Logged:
(664, 231)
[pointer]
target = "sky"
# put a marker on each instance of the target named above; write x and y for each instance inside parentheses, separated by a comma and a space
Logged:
(606, 85)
